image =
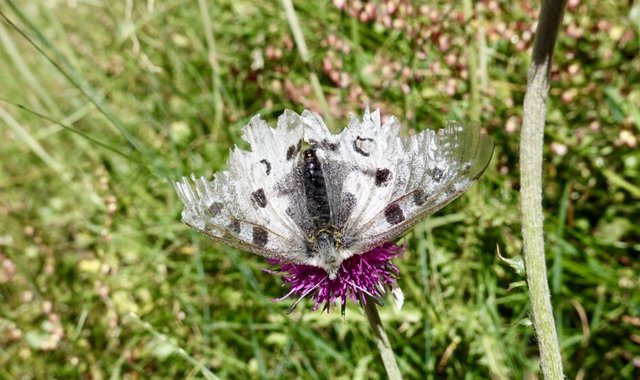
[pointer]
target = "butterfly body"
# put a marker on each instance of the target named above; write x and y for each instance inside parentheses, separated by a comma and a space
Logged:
(342, 196)
(325, 240)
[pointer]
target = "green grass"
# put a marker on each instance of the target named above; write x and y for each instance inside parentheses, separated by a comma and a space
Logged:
(103, 106)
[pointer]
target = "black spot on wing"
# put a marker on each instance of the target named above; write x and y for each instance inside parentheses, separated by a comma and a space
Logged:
(258, 198)
(393, 213)
(235, 226)
(466, 167)
(383, 176)
(293, 150)
(328, 145)
(260, 236)
(267, 166)
(437, 174)
(419, 197)
(358, 145)
(214, 208)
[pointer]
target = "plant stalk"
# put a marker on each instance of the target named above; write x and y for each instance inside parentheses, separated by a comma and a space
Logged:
(531, 151)
(296, 30)
(212, 57)
(382, 340)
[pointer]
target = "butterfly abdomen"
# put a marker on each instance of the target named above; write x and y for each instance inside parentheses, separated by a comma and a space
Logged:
(315, 189)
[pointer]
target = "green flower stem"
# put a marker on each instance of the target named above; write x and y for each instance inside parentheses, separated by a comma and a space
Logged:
(382, 340)
(296, 30)
(216, 83)
(531, 145)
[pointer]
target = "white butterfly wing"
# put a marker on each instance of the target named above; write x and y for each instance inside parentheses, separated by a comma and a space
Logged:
(382, 184)
(256, 205)
(428, 179)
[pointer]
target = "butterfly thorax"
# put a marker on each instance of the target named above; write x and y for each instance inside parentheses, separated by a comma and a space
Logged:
(325, 240)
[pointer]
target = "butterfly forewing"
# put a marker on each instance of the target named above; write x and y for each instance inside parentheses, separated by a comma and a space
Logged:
(252, 205)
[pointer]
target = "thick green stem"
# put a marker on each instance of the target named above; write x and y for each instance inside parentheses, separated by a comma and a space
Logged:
(531, 145)
(382, 340)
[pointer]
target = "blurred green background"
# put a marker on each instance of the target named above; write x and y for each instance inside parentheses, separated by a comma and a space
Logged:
(105, 103)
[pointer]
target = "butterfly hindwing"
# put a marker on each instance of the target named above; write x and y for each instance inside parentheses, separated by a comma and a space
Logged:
(441, 166)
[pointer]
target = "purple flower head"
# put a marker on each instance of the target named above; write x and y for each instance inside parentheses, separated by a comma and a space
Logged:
(368, 274)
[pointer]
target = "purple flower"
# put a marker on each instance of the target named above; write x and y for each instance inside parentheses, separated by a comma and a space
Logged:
(368, 274)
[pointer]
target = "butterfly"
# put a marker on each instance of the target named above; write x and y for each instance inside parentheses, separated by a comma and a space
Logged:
(306, 196)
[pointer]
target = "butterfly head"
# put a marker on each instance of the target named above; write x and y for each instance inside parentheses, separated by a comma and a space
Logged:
(325, 246)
